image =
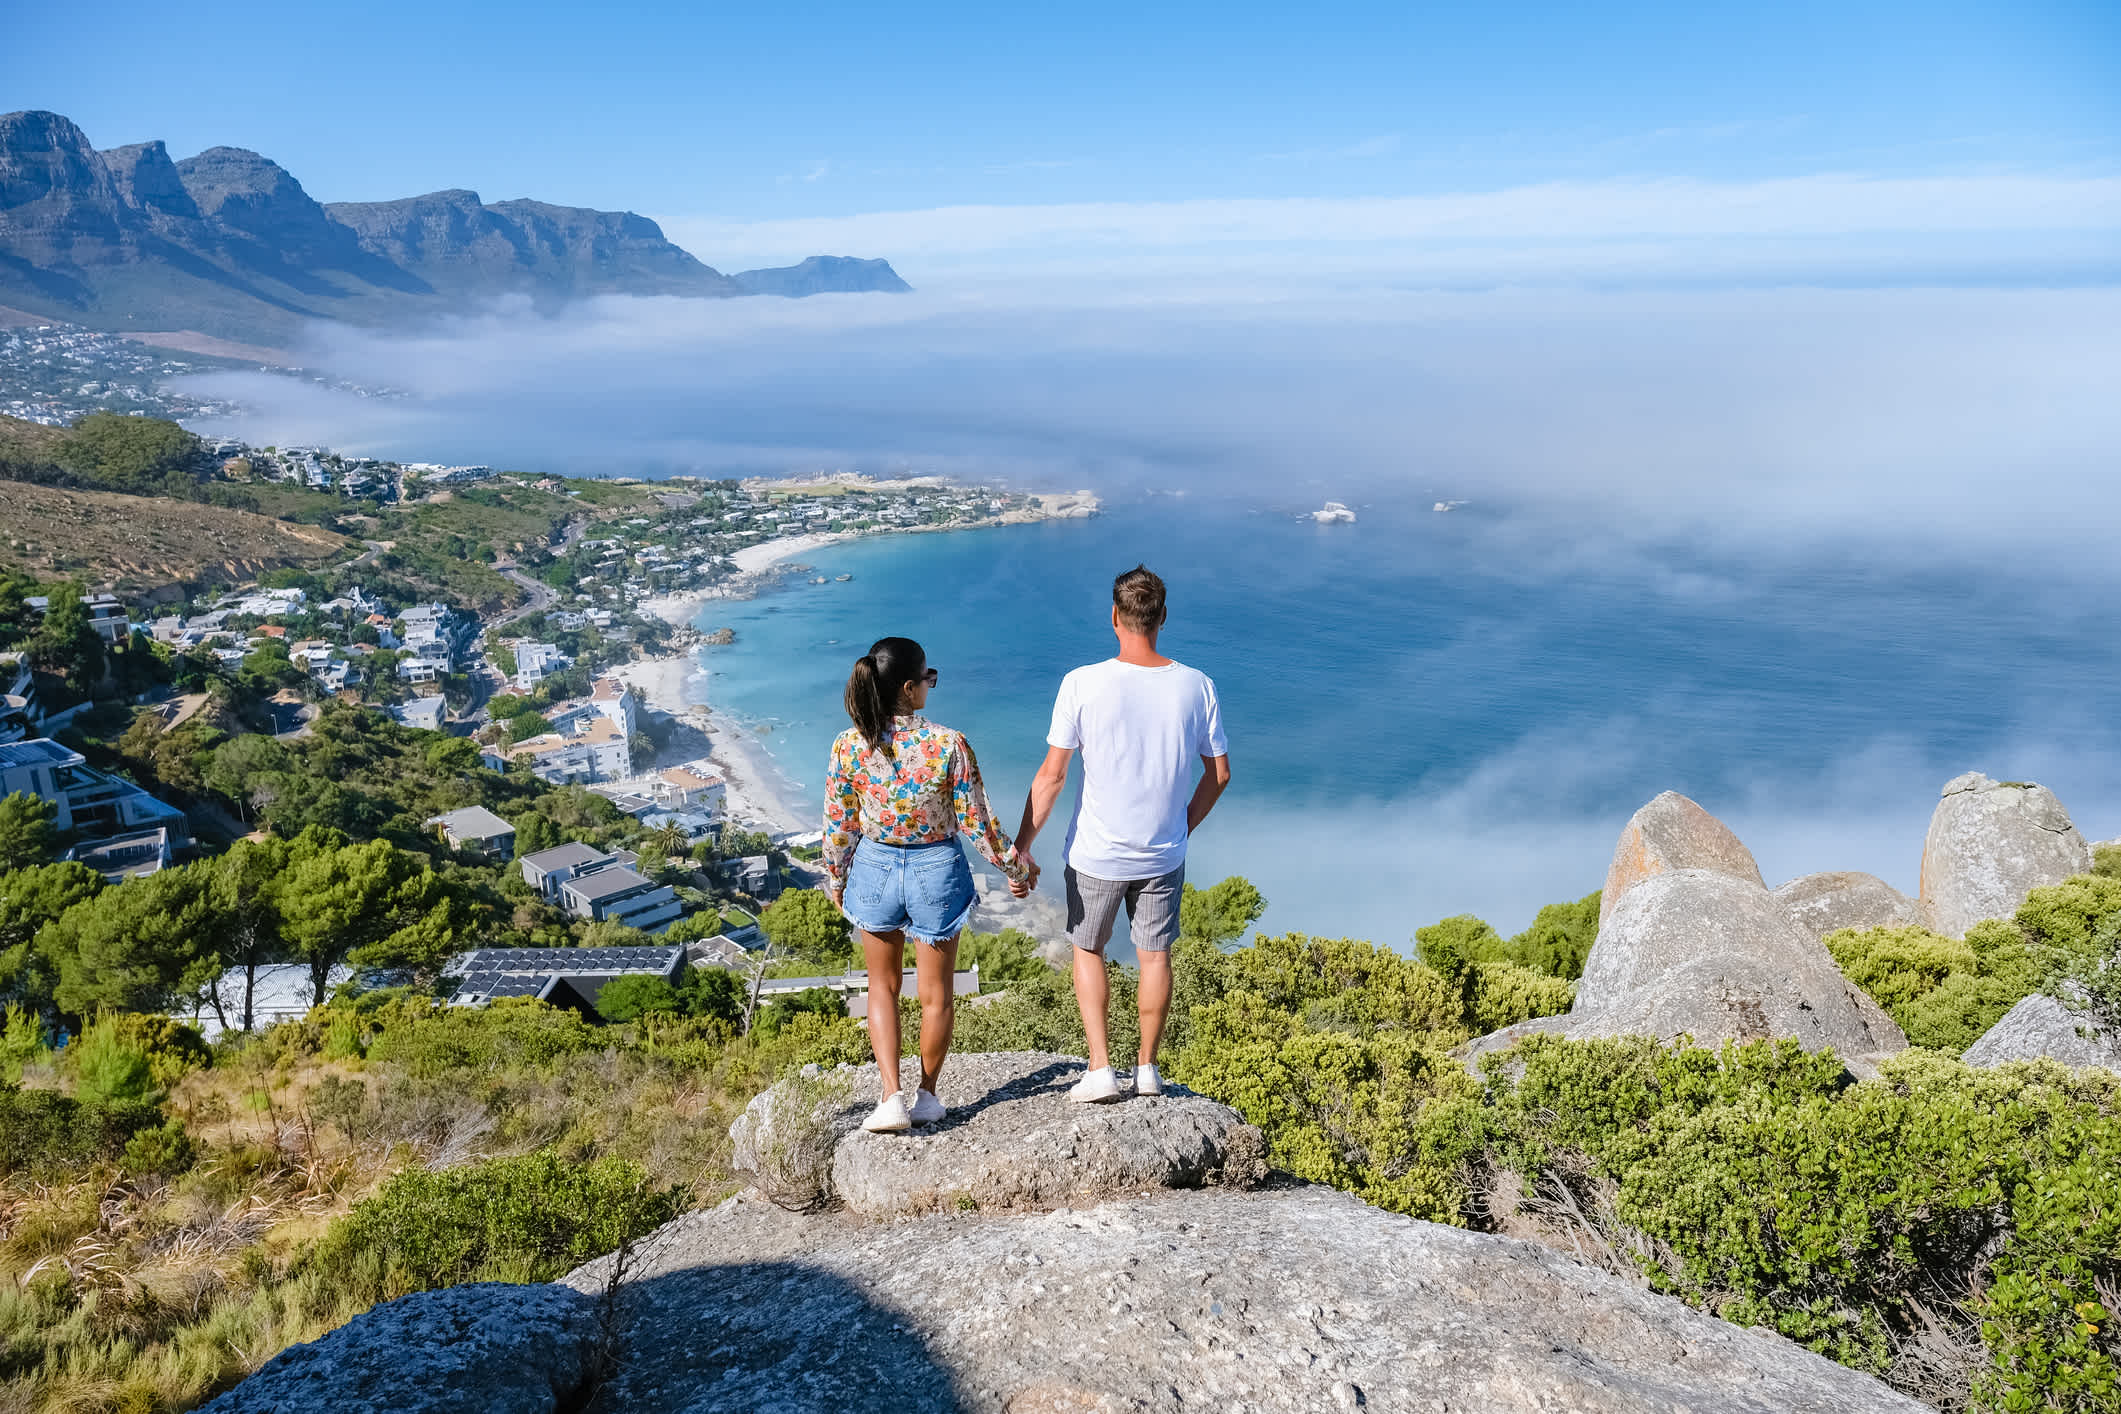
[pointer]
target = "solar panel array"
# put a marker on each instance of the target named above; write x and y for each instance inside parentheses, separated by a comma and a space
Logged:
(653, 959)
(523, 972)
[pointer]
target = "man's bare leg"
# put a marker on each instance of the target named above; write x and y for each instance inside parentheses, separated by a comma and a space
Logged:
(1093, 993)
(1155, 1001)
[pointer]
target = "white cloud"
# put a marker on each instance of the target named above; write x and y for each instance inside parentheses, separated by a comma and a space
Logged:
(1548, 215)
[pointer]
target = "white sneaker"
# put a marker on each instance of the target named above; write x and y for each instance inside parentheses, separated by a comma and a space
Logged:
(927, 1109)
(1096, 1087)
(890, 1117)
(1147, 1081)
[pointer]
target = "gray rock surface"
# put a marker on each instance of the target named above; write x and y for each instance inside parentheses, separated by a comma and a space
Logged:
(480, 1349)
(1990, 844)
(1826, 903)
(2040, 1027)
(1294, 1299)
(1672, 832)
(1013, 1141)
(1699, 953)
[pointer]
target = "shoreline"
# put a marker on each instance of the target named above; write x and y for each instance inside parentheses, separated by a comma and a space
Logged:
(758, 565)
(759, 795)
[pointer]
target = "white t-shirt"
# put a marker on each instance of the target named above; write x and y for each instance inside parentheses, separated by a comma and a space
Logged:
(1140, 730)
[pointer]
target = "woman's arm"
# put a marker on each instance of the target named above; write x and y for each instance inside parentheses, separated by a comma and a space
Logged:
(975, 819)
(843, 819)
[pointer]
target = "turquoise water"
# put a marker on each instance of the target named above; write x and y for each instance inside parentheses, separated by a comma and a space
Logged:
(1432, 714)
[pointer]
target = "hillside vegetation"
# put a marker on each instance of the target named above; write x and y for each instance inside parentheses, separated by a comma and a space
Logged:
(138, 543)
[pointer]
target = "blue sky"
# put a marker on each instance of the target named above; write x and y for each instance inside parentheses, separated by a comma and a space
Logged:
(727, 116)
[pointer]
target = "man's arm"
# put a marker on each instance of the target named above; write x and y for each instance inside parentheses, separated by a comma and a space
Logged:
(1213, 782)
(1046, 788)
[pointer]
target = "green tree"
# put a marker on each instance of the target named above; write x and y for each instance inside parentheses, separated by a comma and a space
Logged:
(370, 903)
(712, 992)
(247, 884)
(250, 770)
(65, 644)
(707, 923)
(534, 832)
(143, 945)
(16, 620)
(29, 899)
(26, 833)
(1560, 937)
(804, 923)
(1220, 913)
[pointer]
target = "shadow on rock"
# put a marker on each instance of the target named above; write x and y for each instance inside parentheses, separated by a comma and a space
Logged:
(769, 1336)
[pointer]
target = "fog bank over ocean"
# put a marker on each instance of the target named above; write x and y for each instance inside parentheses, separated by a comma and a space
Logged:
(1905, 422)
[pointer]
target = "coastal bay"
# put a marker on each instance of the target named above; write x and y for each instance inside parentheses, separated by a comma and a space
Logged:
(1429, 705)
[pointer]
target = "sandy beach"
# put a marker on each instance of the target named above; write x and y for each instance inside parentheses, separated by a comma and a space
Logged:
(760, 797)
(754, 564)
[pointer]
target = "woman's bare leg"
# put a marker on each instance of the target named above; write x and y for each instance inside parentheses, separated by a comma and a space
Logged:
(935, 974)
(883, 955)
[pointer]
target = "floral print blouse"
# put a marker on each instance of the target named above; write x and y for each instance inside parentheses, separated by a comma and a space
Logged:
(926, 791)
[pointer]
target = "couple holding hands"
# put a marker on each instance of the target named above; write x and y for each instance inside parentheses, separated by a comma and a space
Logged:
(901, 789)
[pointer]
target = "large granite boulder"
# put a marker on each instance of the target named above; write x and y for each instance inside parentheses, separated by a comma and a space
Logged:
(480, 1349)
(1990, 844)
(1296, 1299)
(1014, 1141)
(1672, 832)
(2042, 1028)
(1699, 953)
(1827, 903)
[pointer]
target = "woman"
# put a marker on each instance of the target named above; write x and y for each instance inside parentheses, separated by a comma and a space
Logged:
(900, 791)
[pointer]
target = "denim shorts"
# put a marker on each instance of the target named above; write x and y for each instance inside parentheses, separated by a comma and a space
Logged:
(925, 889)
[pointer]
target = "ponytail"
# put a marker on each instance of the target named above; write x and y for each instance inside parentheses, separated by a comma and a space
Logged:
(874, 687)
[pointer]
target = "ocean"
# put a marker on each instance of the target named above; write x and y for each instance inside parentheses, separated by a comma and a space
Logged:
(1433, 714)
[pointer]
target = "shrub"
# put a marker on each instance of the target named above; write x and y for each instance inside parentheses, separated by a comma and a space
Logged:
(524, 1219)
(165, 1150)
(1944, 992)
(819, 1001)
(21, 1043)
(1759, 1183)
(637, 994)
(45, 1134)
(1381, 1115)
(435, 1041)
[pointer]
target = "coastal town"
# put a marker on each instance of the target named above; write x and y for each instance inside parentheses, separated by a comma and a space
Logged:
(548, 623)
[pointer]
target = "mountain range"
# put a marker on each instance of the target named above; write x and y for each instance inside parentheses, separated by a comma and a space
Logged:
(228, 244)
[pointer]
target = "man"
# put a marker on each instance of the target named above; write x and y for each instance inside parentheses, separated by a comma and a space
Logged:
(1139, 720)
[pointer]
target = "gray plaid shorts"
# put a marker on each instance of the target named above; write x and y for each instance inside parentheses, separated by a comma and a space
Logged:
(1152, 909)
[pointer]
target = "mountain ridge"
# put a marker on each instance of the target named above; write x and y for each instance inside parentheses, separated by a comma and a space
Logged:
(227, 243)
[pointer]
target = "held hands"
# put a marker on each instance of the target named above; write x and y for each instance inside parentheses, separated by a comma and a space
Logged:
(1021, 888)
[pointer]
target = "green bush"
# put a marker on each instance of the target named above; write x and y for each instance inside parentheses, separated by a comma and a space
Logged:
(1556, 943)
(165, 1150)
(1944, 992)
(432, 1041)
(635, 995)
(47, 1135)
(1381, 1115)
(1759, 1183)
(524, 1219)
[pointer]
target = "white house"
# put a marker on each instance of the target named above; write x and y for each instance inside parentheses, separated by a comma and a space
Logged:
(88, 800)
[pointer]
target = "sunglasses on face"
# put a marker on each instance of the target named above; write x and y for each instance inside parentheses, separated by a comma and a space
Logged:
(930, 677)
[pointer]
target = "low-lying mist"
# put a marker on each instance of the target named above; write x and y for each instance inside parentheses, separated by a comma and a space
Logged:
(1912, 421)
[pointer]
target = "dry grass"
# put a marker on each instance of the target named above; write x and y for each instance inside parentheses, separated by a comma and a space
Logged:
(146, 542)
